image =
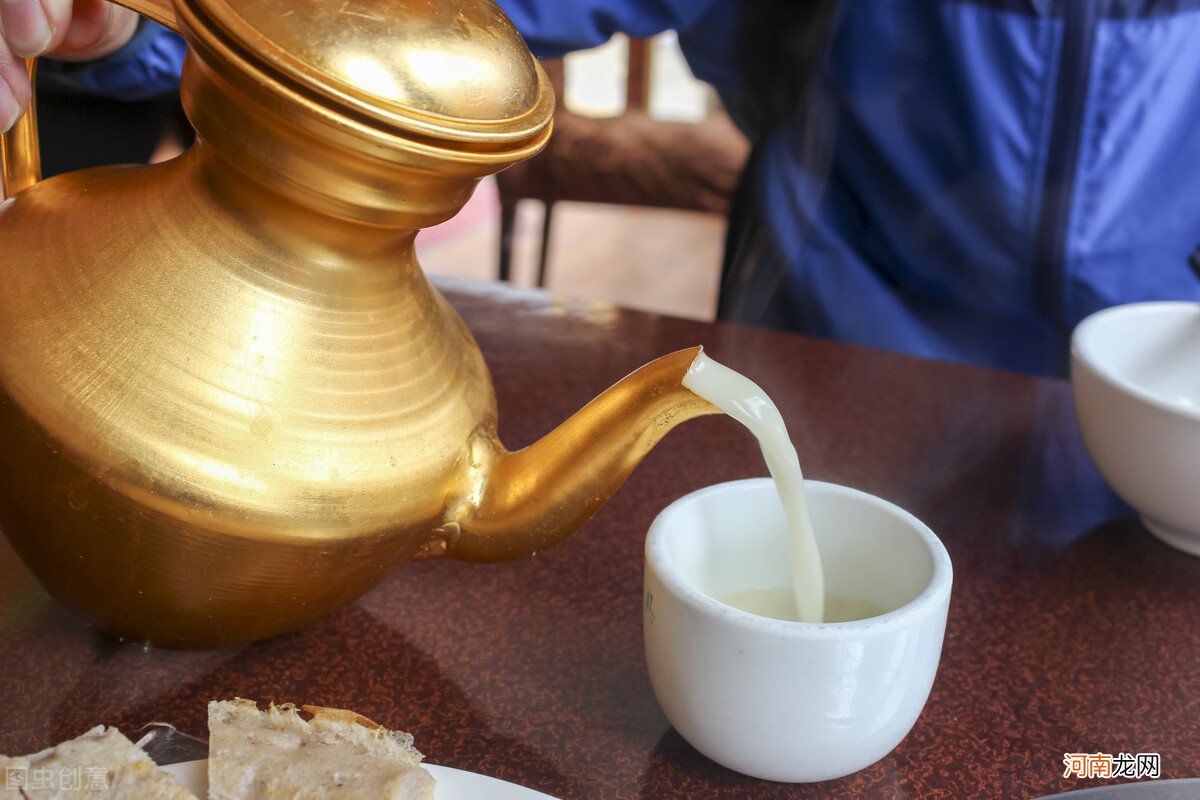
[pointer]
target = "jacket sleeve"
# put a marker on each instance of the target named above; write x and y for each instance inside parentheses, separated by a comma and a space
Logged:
(147, 66)
(554, 27)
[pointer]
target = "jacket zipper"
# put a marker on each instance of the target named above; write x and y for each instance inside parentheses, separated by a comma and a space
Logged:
(1070, 99)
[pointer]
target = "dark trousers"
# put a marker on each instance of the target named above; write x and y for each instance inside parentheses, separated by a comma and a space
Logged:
(78, 131)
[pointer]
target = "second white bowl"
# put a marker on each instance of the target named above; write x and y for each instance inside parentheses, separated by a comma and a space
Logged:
(1135, 373)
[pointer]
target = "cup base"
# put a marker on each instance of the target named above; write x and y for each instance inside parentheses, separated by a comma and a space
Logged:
(1178, 538)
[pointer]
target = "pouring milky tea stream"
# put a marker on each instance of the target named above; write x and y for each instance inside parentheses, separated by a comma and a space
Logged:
(742, 399)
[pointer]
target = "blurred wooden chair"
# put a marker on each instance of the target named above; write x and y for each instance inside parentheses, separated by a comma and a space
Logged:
(631, 159)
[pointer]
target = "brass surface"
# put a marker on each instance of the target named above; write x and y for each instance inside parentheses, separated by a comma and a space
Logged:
(161, 11)
(20, 157)
(452, 68)
(231, 402)
(555, 485)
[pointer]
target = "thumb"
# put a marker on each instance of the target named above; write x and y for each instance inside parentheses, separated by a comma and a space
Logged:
(15, 91)
(94, 28)
(27, 27)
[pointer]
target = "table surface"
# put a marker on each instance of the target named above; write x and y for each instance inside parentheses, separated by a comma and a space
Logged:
(1071, 629)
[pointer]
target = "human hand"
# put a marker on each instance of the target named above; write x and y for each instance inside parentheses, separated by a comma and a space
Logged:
(72, 30)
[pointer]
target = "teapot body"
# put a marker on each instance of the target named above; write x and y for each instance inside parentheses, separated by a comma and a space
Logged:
(230, 401)
(224, 414)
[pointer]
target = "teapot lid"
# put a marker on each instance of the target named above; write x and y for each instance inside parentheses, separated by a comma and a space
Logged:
(448, 69)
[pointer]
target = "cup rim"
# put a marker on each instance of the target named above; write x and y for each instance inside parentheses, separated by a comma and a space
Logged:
(1084, 355)
(932, 597)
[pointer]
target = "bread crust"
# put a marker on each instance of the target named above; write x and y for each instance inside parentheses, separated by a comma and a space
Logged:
(276, 753)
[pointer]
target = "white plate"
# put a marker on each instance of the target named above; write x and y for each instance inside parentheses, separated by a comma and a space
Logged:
(452, 784)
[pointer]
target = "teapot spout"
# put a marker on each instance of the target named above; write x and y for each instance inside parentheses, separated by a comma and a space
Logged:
(536, 497)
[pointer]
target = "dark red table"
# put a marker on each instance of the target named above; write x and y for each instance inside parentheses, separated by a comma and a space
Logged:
(1071, 629)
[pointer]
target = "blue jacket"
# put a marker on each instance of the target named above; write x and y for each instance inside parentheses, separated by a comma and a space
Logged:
(969, 178)
(147, 66)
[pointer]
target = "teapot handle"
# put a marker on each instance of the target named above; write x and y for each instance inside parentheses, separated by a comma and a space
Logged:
(20, 156)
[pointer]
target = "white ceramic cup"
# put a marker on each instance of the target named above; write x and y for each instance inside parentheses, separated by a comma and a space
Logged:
(1135, 372)
(780, 700)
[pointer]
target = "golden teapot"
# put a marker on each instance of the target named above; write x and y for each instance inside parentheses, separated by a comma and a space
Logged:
(230, 401)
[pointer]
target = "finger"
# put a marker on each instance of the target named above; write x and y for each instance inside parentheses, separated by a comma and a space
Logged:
(15, 91)
(97, 28)
(58, 17)
(9, 109)
(26, 28)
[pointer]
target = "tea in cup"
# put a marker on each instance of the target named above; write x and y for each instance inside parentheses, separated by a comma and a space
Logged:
(774, 698)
